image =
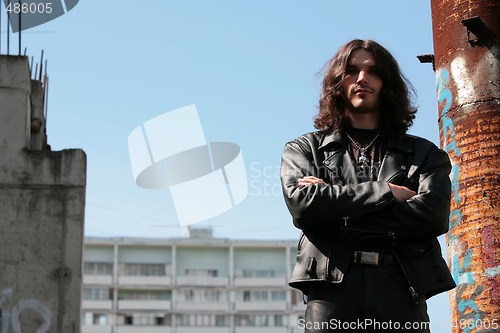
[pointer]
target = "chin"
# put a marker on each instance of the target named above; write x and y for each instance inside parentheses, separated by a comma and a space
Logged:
(360, 110)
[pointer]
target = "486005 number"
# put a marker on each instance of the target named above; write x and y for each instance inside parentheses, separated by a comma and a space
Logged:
(32, 8)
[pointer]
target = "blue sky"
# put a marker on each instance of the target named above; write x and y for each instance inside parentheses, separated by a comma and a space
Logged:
(249, 66)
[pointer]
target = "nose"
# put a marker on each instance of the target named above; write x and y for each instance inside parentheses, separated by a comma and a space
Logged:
(361, 77)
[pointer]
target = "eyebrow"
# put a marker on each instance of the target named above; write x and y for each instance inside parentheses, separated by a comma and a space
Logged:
(353, 66)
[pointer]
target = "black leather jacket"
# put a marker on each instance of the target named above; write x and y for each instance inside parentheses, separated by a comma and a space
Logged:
(335, 216)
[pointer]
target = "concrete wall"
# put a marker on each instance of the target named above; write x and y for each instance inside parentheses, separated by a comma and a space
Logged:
(42, 200)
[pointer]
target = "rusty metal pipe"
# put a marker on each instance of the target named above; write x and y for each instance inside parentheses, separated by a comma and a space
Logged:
(467, 60)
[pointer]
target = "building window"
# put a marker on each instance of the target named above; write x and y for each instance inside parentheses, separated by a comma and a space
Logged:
(97, 294)
(252, 295)
(221, 321)
(202, 295)
(97, 268)
(145, 295)
(278, 320)
(144, 319)
(202, 320)
(90, 318)
(259, 320)
(138, 269)
(128, 320)
(261, 295)
(278, 295)
(263, 273)
(201, 272)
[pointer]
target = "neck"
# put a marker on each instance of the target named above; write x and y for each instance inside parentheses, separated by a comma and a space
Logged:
(367, 120)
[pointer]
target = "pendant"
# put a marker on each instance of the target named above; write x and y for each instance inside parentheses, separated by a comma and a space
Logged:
(363, 167)
(363, 160)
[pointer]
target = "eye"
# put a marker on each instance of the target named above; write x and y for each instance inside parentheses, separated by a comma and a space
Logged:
(350, 70)
(374, 71)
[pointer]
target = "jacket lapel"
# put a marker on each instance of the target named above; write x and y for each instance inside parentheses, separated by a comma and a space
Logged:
(338, 160)
(395, 160)
(390, 167)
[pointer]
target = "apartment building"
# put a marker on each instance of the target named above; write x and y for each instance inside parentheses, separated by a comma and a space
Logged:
(189, 285)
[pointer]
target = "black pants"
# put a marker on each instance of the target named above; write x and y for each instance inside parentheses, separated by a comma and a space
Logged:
(369, 299)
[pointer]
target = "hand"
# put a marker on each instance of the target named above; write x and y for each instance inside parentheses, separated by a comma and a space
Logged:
(308, 180)
(401, 193)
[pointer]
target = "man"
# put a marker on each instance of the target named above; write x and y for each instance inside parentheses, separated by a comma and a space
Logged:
(370, 201)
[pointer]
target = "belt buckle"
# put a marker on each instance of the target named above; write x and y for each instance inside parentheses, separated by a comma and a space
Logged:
(370, 258)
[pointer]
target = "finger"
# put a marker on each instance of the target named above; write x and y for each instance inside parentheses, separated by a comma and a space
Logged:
(316, 179)
(310, 181)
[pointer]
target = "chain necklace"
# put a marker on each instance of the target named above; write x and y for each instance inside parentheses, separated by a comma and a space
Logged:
(363, 159)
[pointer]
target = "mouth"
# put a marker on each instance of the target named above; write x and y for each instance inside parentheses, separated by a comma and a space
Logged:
(362, 90)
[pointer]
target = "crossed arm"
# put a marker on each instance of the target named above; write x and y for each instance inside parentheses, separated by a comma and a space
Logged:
(400, 193)
(375, 205)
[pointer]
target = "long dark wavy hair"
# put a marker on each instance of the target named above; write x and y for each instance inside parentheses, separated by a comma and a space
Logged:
(397, 110)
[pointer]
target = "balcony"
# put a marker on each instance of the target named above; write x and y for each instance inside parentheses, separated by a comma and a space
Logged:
(144, 280)
(186, 280)
(143, 329)
(260, 306)
(156, 305)
(279, 281)
(260, 329)
(97, 279)
(202, 305)
(203, 329)
(96, 329)
(97, 304)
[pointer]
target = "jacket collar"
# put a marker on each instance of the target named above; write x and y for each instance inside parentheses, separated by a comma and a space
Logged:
(334, 138)
(338, 159)
(337, 139)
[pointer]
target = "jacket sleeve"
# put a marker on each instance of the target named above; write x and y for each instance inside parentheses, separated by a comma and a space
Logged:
(321, 205)
(425, 214)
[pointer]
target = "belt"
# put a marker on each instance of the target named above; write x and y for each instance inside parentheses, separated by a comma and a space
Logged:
(372, 258)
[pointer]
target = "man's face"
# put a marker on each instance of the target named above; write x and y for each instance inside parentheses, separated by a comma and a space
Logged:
(362, 84)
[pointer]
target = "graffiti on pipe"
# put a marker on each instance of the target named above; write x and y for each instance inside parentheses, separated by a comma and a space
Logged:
(12, 317)
(468, 289)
